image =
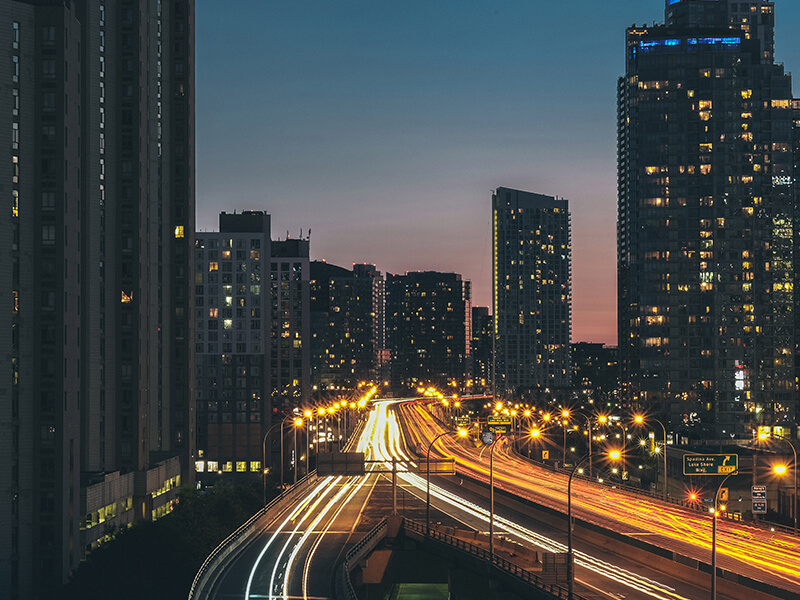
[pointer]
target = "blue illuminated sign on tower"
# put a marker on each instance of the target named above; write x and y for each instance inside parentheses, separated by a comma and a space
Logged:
(671, 2)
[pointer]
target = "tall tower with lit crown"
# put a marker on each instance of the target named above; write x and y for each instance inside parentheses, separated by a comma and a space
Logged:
(706, 220)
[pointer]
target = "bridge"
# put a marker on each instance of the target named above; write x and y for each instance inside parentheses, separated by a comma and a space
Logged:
(336, 537)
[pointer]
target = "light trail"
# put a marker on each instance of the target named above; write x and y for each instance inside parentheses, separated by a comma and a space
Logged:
(296, 539)
(628, 578)
(744, 549)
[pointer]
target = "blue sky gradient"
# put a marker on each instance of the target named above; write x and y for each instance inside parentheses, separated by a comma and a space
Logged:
(383, 126)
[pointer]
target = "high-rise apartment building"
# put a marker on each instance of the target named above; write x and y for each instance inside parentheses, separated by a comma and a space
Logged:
(252, 312)
(481, 349)
(429, 329)
(290, 334)
(532, 292)
(97, 120)
(232, 343)
(707, 220)
(347, 325)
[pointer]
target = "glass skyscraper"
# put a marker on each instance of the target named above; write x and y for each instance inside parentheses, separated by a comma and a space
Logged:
(706, 220)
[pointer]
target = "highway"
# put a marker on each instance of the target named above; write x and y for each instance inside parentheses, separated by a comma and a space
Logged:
(772, 557)
(597, 574)
(296, 552)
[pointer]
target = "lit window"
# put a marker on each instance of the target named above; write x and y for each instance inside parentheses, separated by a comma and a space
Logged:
(199, 466)
(241, 466)
(178, 231)
(255, 466)
(212, 266)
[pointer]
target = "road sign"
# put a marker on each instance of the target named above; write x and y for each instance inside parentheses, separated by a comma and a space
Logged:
(462, 421)
(723, 494)
(759, 507)
(340, 463)
(759, 492)
(499, 420)
(545, 454)
(487, 437)
(710, 464)
(440, 466)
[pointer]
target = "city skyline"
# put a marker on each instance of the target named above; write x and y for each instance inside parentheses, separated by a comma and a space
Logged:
(356, 119)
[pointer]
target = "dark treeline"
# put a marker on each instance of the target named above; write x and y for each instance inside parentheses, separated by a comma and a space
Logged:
(159, 560)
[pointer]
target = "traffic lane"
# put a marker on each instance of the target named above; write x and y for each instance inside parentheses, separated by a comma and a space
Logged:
(328, 541)
(777, 559)
(592, 581)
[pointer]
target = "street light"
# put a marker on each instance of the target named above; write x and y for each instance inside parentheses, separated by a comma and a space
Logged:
(640, 420)
(308, 414)
(264, 456)
(782, 471)
(461, 433)
(298, 423)
(714, 513)
(613, 455)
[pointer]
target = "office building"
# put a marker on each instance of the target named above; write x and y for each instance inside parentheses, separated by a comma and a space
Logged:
(532, 294)
(707, 221)
(429, 330)
(97, 407)
(347, 315)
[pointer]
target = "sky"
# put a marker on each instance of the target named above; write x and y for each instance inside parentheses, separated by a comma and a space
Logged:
(383, 126)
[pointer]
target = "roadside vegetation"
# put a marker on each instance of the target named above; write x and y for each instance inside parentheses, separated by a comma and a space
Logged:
(158, 560)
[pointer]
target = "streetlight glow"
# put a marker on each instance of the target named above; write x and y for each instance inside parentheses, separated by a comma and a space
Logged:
(780, 469)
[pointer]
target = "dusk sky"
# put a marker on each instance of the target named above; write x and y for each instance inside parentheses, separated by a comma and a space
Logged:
(383, 126)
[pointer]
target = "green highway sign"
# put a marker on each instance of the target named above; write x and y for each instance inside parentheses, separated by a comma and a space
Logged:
(499, 420)
(462, 421)
(710, 464)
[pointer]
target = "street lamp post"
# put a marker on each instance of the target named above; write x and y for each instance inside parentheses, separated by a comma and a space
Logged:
(298, 423)
(308, 414)
(715, 512)
(794, 468)
(614, 455)
(461, 433)
(264, 457)
(640, 419)
(491, 498)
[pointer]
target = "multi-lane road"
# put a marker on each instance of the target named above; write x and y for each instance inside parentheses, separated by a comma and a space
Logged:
(302, 541)
(771, 557)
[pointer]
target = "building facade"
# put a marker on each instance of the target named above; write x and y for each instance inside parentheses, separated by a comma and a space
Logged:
(98, 112)
(481, 349)
(595, 375)
(252, 297)
(348, 330)
(429, 330)
(532, 292)
(706, 221)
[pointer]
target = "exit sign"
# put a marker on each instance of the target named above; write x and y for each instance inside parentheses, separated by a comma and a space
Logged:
(710, 464)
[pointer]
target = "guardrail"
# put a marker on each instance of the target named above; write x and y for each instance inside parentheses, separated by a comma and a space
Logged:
(234, 540)
(508, 567)
(344, 587)
(231, 543)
